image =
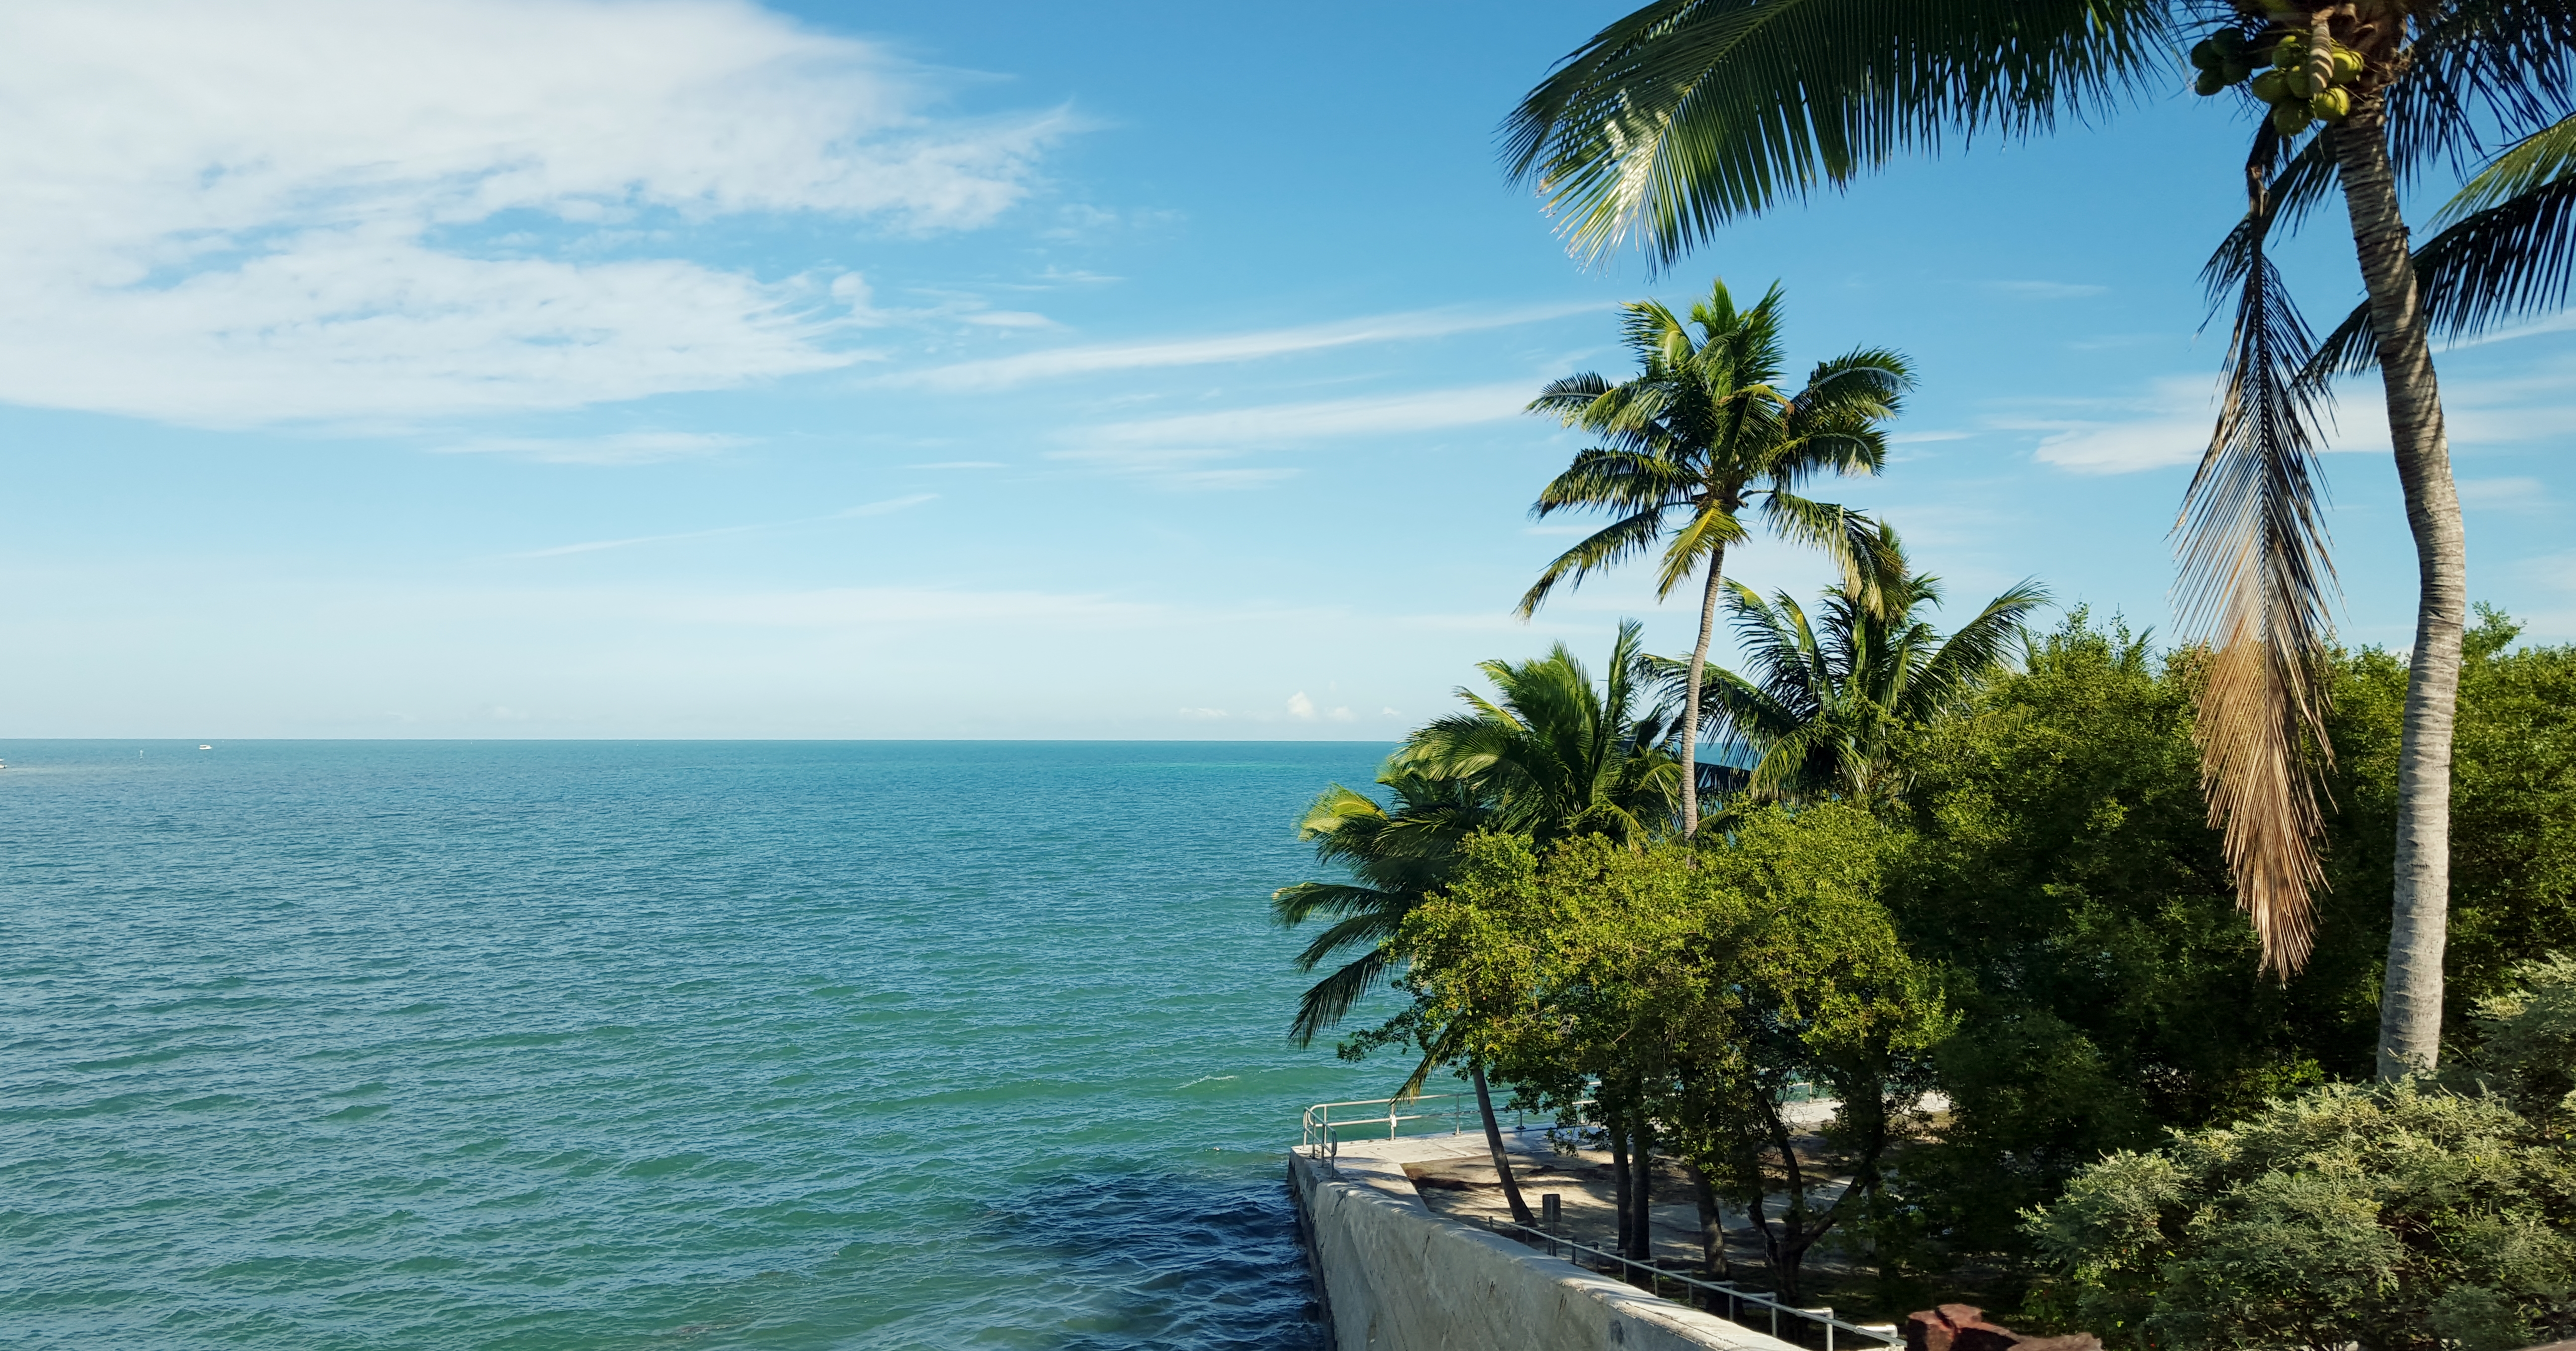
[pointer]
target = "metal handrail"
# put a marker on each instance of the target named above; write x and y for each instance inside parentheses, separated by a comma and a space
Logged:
(1656, 1276)
(1319, 1128)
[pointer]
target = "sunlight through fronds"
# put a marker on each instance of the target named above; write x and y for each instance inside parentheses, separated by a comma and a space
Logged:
(1687, 114)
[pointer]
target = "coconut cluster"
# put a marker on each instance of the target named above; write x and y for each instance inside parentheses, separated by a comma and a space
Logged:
(2304, 81)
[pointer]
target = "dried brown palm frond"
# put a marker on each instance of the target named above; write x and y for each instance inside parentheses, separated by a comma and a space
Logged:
(2254, 589)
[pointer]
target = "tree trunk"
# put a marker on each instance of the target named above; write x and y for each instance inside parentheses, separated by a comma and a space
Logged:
(1640, 1239)
(1494, 1143)
(1690, 699)
(1712, 1228)
(2410, 1002)
(1619, 1181)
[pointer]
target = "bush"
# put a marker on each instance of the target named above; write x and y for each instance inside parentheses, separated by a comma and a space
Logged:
(2399, 1217)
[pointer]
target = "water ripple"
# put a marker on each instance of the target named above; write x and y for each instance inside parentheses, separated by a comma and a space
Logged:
(570, 1046)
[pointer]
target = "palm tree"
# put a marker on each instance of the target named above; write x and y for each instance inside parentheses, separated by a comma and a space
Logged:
(1689, 113)
(1825, 699)
(1395, 857)
(1559, 753)
(1702, 431)
(1553, 755)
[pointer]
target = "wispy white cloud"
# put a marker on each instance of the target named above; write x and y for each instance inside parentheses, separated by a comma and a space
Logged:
(890, 505)
(287, 209)
(1300, 707)
(2521, 495)
(1094, 359)
(601, 545)
(960, 464)
(1289, 423)
(2167, 425)
(617, 449)
(2047, 290)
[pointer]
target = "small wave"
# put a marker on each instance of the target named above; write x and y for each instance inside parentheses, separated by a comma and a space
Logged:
(1205, 1079)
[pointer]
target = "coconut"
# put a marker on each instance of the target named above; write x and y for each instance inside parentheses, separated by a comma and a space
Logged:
(2206, 56)
(2290, 119)
(2271, 86)
(2347, 65)
(2288, 52)
(2210, 82)
(2334, 105)
(2235, 71)
(2304, 83)
(2229, 41)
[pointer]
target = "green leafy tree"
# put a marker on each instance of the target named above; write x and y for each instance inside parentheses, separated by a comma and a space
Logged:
(2060, 868)
(1705, 430)
(2389, 1217)
(1687, 114)
(1683, 992)
(1831, 703)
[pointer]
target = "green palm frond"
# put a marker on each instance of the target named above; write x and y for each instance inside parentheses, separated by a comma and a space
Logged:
(1689, 113)
(1328, 1001)
(2475, 65)
(1700, 537)
(1610, 545)
(1823, 695)
(2508, 253)
(1567, 398)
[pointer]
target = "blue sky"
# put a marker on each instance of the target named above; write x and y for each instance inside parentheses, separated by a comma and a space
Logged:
(537, 368)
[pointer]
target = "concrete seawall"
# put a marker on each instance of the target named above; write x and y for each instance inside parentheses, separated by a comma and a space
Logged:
(1397, 1277)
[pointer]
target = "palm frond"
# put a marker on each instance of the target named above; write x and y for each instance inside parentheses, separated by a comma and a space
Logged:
(1972, 651)
(1689, 113)
(2510, 261)
(1611, 544)
(2253, 588)
(2475, 66)
(1328, 1001)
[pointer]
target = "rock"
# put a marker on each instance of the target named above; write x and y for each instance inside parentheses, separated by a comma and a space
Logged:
(1963, 1327)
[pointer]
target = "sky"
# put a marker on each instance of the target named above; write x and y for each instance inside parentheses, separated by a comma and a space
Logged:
(565, 368)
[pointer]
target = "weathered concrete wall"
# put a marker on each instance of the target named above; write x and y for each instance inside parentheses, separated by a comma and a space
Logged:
(1398, 1278)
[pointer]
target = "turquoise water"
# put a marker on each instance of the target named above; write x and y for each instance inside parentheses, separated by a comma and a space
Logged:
(653, 1045)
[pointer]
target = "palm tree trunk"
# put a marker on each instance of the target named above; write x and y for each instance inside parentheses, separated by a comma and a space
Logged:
(1494, 1143)
(2410, 1001)
(1690, 700)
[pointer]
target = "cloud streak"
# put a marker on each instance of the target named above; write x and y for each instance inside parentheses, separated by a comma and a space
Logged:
(1062, 362)
(887, 507)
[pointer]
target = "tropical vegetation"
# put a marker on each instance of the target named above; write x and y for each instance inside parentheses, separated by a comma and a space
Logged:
(1990, 890)
(1687, 114)
(1703, 431)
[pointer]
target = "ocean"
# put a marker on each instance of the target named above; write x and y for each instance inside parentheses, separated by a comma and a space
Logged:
(654, 1044)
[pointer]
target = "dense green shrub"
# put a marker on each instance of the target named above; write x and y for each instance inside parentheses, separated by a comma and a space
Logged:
(2391, 1217)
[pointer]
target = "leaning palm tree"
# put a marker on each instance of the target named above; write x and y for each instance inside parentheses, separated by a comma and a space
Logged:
(1689, 113)
(1551, 755)
(1395, 855)
(1824, 700)
(1395, 858)
(1704, 430)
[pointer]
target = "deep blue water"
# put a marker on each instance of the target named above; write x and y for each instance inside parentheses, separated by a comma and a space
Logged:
(670, 1045)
